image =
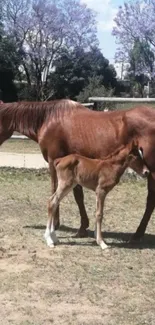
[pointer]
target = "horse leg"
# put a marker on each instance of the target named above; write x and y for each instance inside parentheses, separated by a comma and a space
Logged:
(100, 197)
(150, 205)
(79, 198)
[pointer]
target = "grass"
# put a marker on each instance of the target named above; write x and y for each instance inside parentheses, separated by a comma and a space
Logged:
(76, 282)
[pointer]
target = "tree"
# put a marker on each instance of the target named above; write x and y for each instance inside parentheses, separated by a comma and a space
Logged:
(139, 56)
(135, 24)
(41, 28)
(75, 68)
(9, 62)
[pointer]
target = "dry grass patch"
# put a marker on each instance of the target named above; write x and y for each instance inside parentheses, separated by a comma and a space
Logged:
(76, 282)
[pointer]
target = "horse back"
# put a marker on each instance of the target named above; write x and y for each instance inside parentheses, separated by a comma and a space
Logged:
(94, 134)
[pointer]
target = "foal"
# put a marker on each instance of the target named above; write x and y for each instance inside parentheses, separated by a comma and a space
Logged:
(98, 175)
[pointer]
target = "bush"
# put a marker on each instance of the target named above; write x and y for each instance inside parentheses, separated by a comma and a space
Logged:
(96, 89)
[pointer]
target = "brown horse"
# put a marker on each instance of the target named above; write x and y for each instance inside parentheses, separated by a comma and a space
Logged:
(63, 127)
(95, 174)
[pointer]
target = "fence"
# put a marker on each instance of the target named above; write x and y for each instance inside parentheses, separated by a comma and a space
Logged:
(121, 100)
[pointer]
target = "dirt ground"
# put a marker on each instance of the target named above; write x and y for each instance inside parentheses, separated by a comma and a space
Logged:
(76, 283)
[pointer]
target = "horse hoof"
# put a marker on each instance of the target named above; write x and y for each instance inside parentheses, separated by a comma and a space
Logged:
(135, 239)
(103, 245)
(82, 233)
(51, 246)
(87, 224)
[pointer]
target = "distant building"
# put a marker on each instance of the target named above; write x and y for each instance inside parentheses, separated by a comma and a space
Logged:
(121, 69)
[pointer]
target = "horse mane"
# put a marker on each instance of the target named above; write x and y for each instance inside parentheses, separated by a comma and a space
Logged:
(28, 117)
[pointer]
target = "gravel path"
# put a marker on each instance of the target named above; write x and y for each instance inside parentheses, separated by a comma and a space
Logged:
(29, 161)
(20, 160)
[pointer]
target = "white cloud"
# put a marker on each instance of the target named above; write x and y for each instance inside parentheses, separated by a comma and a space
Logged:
(106, 12)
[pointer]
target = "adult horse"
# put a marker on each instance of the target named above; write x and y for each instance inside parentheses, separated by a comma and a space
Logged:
(62, 127)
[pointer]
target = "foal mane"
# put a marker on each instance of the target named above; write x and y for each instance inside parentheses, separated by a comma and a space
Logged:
(28, 117)
(118, 151)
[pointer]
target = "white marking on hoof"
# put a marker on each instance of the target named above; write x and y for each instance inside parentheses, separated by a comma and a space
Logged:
(49, 241)
(103, 245)
(51, 245)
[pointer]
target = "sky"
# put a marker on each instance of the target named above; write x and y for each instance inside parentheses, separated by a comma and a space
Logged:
(106, 11)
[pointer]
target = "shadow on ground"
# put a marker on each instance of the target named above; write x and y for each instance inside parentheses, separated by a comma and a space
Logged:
(120, 239)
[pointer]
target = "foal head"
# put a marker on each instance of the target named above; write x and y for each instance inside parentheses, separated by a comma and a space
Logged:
(136, 159)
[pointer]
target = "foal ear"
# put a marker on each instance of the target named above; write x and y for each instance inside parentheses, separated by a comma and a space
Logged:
(135, 143)
(133, 146)
(140, 150)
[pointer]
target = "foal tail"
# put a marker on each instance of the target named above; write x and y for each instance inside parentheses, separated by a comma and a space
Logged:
(69, 161)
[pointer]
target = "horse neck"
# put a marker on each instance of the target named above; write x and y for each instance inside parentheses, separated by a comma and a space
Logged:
(30, 133)
(11, 121)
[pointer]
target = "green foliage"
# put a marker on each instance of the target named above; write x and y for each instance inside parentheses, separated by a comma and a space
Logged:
(96, 88)
(141, 59)
(93, 88)
(9, 61)
(74, 70)
(25, 92)
(9, 57)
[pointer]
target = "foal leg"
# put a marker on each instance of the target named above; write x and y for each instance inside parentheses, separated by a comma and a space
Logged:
(100, 197)
(55, 199)
(150, 205)
(50, 235)
(79, 198)
(53, 189)
(53, 204)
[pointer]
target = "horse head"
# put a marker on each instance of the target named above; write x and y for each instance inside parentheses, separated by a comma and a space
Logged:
(6, 129)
